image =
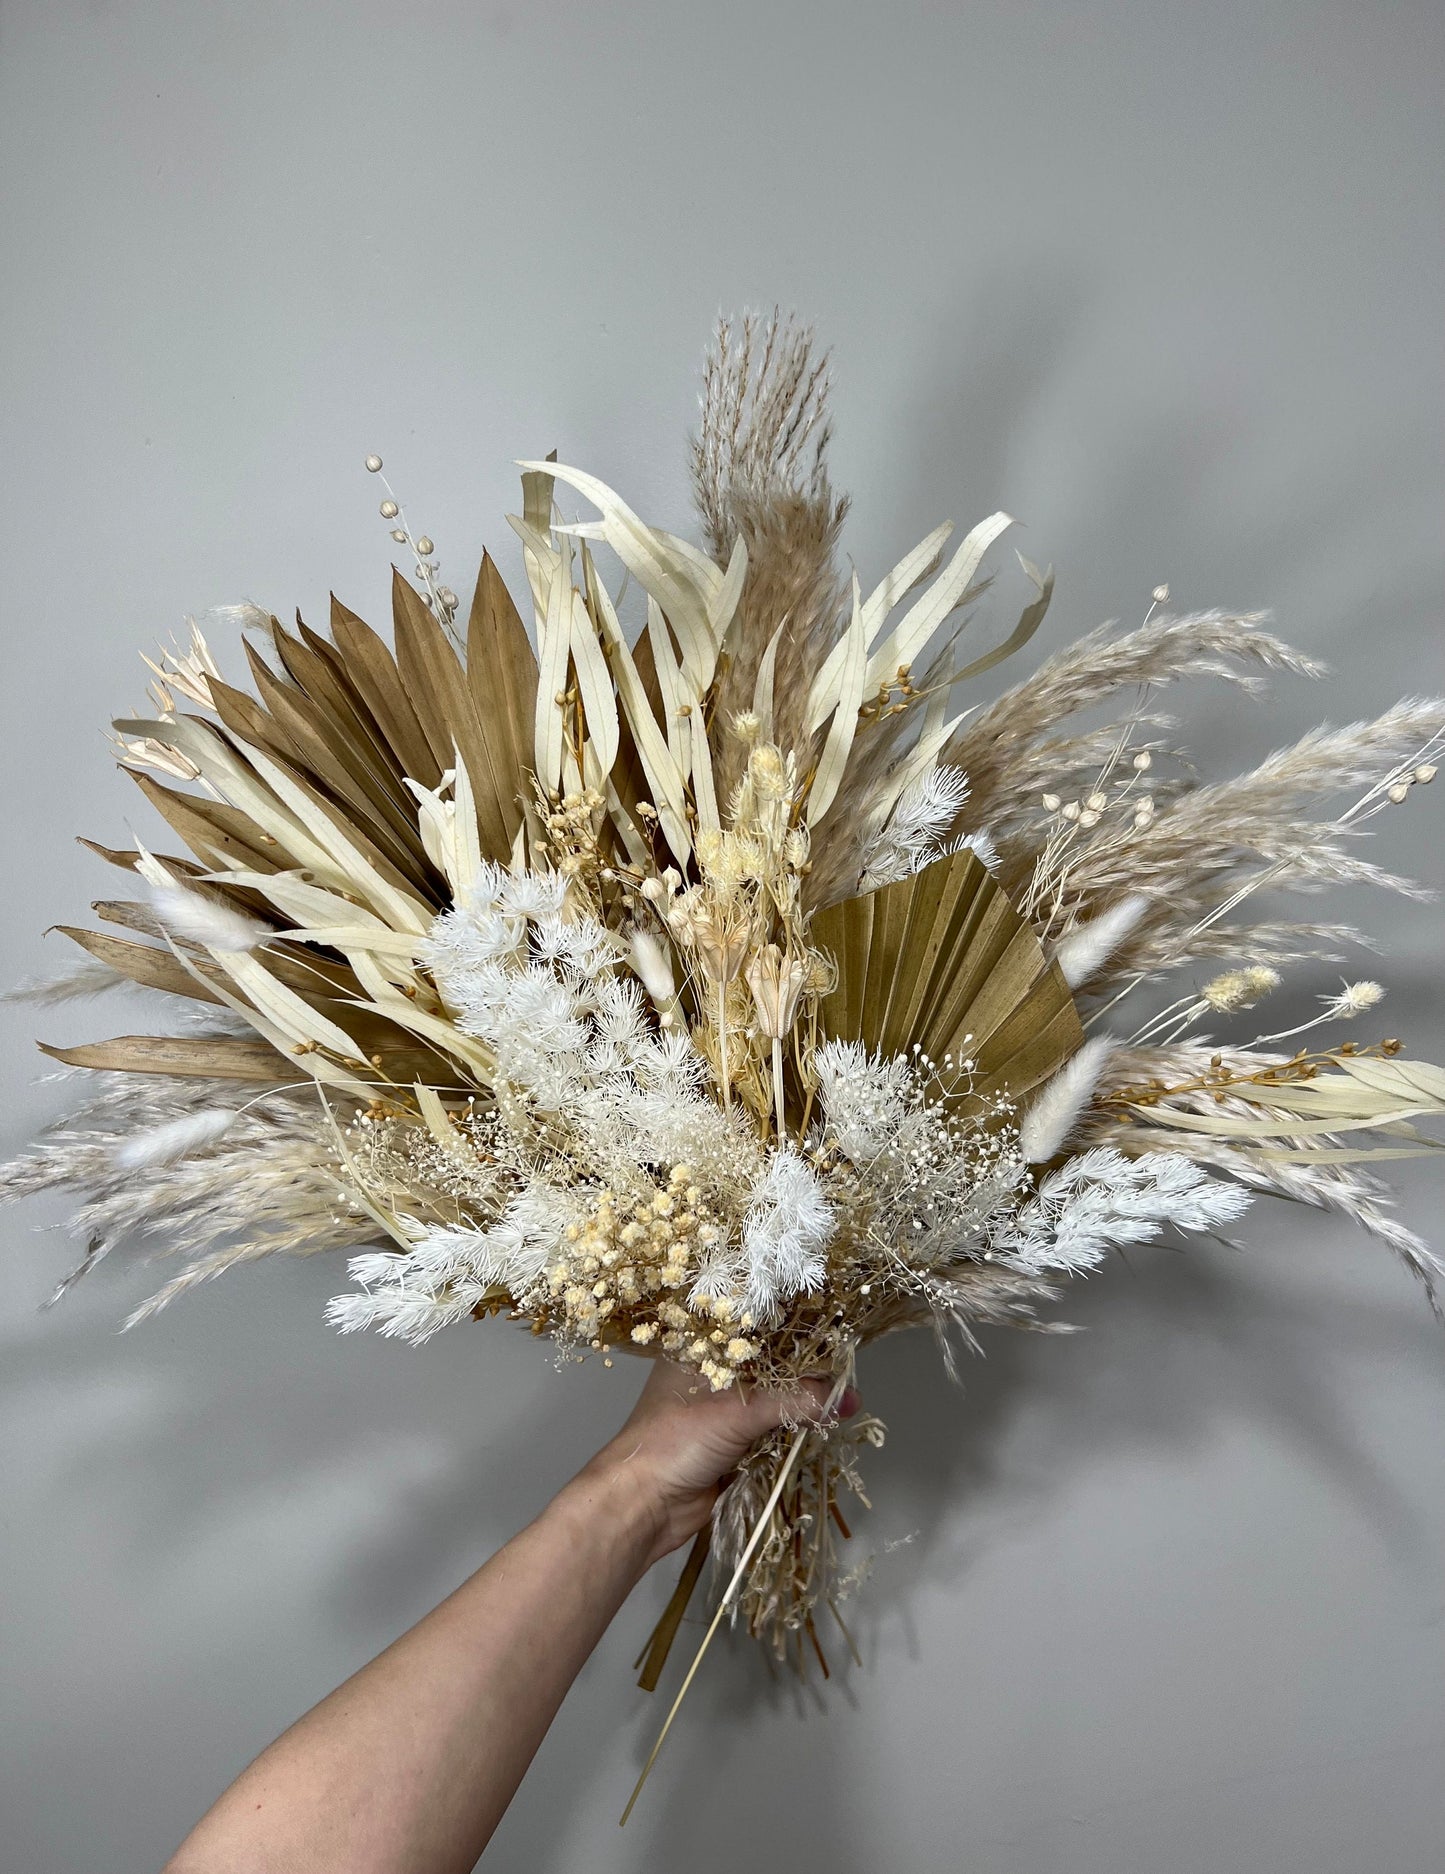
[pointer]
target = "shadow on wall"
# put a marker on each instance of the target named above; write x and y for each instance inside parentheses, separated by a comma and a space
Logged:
(1182, 1344)
(1242, 501)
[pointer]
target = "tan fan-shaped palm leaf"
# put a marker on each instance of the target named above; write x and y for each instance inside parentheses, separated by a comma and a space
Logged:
(944, 961)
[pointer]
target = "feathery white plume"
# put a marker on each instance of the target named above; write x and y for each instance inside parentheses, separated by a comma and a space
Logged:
(914, 835)
(1060, 1104)
(787, 1227)
(980, 844)
(649, 962)
(1087, 946)
(1101, 1199)
(452, 1267)
(204, 920)
(173, 1138)
(245, 616)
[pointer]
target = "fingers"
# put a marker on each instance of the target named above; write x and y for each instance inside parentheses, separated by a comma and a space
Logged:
(819, 1392)
(810, 1401)
(749, 1411)
(806, 1404)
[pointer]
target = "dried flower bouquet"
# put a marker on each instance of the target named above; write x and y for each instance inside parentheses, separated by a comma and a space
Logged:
(723, 991)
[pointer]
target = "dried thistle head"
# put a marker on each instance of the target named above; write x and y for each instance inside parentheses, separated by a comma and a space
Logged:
(777, 982)
(718, 930)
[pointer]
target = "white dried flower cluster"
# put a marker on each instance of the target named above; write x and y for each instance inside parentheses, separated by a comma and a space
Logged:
(449, 1270)
(614, 1179)
(540, 988)
(863, 1096)
(929, 1170)
(1101, 1199)
(898, 1178)
(785, 1230)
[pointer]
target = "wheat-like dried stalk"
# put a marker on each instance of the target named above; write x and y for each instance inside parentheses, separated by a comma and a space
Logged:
(760, 474)
(1230, 647)
(1204, 840)
(1195, 1079)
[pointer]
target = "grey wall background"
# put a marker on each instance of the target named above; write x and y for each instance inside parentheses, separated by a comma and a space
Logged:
(1164, 280)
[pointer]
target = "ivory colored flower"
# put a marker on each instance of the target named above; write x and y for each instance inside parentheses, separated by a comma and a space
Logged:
(1353, 1000)
(1240, 989)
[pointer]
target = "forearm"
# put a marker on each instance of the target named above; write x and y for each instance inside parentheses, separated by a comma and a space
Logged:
(407, 1768)
(410, 1764)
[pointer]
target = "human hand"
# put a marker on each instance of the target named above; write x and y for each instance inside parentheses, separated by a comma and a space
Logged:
(681, 1441)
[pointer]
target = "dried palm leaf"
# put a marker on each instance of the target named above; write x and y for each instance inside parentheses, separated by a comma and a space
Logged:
(942, 960)
(220, 1057)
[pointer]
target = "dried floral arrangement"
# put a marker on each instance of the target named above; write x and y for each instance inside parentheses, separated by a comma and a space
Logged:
(727, 988)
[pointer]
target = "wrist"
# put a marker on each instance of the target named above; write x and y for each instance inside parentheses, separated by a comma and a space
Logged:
(609, 1508)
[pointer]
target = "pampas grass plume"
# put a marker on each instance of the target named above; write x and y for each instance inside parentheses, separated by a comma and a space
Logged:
(90, 978)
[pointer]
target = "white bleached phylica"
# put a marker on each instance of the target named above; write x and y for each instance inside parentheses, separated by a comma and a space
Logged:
(451, 1268)
(1101, 1199)
(787, 1227)
(539, 987)
(914, 835)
